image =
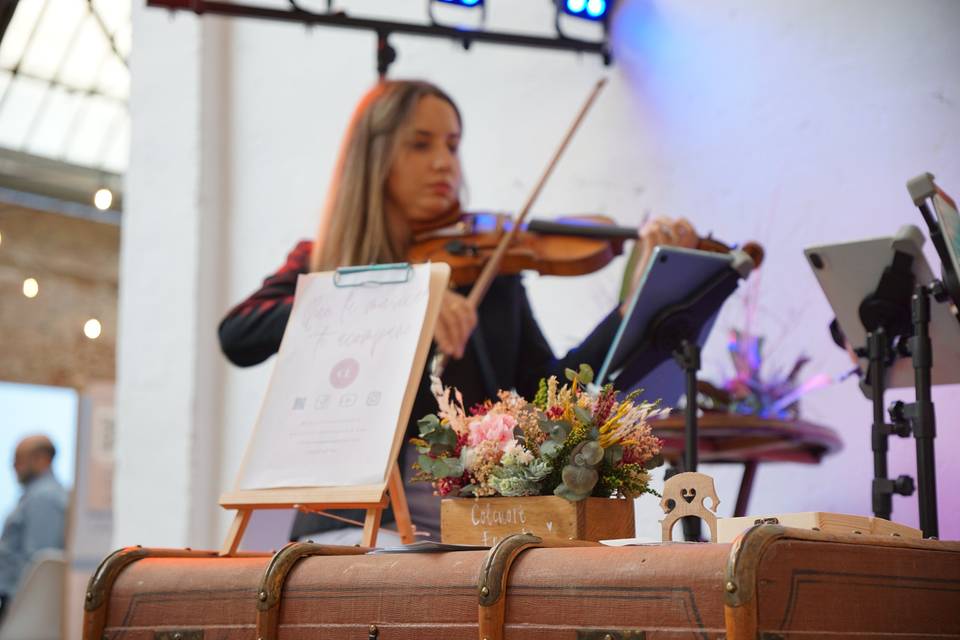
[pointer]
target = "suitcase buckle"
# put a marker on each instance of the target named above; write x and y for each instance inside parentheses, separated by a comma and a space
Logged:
(608, 634)
(181, 634)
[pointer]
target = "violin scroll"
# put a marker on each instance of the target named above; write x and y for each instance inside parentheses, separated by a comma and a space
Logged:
(752, 249)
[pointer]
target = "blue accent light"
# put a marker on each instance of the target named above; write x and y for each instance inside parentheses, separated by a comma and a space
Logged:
(463, 3)
(595, 10)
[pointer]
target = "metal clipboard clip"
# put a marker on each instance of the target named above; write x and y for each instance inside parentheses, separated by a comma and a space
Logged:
(373, 275)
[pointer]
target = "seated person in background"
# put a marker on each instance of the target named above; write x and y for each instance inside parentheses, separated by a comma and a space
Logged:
(37, 522)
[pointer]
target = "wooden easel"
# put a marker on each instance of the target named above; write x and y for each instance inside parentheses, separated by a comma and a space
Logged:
(373, 498)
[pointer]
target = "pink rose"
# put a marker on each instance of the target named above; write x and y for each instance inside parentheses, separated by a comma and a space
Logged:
(497, 427)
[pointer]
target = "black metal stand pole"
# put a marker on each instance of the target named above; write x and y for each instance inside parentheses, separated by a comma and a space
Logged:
(882, 493)
(879, 350)
(386, 54)
(924, 422)
(688, 357)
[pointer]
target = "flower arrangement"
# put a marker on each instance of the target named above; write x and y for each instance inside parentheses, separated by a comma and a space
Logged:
(775, 395)
(566, 442)
(755, 387)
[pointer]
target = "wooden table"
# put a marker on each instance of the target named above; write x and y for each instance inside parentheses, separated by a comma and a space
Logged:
(747, 440)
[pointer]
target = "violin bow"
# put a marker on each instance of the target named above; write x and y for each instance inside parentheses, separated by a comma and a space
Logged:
(492, 266)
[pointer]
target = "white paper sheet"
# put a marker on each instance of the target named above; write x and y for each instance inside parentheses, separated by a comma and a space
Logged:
(332, 407)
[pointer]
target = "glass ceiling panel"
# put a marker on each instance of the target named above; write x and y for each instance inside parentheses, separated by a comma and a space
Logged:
(114, 79)
(88, 135)
(21, 100)
(52, 124)
(4, 80)
(53, 36)
(122, 39)
(19, 31)
(67, 95)
(117, 154)
(86, 55)
(114, 13)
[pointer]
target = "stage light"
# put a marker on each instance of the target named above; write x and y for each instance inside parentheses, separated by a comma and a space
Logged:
(31, 288)
(102, 199)
(458, 14)
(596, 10)
(92, 328)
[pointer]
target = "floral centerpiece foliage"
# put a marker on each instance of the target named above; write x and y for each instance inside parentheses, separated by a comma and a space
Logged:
(756, 387)
(775, 395)
(566, 442)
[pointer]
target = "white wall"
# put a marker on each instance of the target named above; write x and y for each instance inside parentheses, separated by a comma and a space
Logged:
(790, 123)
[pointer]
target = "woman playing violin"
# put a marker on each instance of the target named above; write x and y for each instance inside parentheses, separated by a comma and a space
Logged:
(398, 172)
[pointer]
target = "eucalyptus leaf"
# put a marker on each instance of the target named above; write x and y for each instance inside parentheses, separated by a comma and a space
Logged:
(570, 374)
(426, 463)
(579, 479)
(550, 448)
(440, 468)
(558, 430)
(592, 452)
(468, 490)
(564, 491)
(447, 468)
(654, 462)
(583, 415)
(446, 437)
(586, 374)
(428, 424)
(613, 454)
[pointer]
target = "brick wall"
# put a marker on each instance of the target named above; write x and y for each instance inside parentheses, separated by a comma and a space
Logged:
(75, 262)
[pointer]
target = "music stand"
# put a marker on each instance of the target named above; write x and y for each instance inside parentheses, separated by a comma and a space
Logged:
(881, 321)
(670, 316)
(919, 415)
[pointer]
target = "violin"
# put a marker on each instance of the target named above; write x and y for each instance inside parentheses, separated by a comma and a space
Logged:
(570, 246)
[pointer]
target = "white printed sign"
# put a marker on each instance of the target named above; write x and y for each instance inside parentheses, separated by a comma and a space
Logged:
(334, 401)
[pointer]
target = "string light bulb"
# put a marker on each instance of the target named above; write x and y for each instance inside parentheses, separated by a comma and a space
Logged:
(102, 199)
(92, 328)
(31, 287)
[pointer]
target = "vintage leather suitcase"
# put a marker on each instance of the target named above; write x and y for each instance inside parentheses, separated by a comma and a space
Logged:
(771, 583)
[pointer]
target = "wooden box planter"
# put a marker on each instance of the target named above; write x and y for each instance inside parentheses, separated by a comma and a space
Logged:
(484, 521)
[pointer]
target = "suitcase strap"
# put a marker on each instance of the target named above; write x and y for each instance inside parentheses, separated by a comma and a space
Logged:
(492, 585)
(494, 572)
(101, 583)
(275, 576)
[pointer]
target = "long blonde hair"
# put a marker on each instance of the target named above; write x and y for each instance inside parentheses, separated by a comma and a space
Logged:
(353, 226)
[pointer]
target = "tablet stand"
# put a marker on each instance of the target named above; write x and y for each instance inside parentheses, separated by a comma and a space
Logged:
(919, 416)
(885, 315)
(678, 331)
